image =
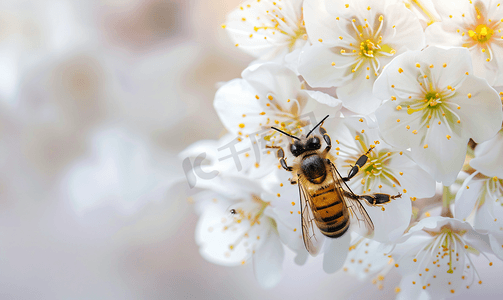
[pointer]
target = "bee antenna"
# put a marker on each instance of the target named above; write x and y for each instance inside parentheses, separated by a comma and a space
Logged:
(317, 126)
(285, 133)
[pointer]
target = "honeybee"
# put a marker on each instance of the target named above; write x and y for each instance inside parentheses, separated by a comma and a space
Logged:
(328, 206)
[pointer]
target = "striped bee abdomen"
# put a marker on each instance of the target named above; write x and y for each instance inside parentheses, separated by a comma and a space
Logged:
(331, 214)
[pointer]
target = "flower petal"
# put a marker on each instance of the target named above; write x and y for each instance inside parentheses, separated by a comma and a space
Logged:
(467, 198)
(409, 290)
(440, 157)
(438, 36)
(496, 241)
(481, 111)
(323, 67)
(488, 159)
(356, 95)
(320, 23)
(391, 223)
(398, 78)
(398, 134)
(234, 97)
(335, 253)
(325, 99)
(256, 30)
(413, 178)
(402, 29)
(273, 78)
(268, 261)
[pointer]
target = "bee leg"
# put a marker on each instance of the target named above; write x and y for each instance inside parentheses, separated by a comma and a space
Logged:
(280, 154)
(359, 163)
(377, 199)
(327, 139)
(293, 181)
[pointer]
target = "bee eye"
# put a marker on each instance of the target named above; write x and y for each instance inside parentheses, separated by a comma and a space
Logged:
(296, 149)
(313, 143)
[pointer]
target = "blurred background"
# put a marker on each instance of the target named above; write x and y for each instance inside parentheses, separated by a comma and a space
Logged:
(97, 98)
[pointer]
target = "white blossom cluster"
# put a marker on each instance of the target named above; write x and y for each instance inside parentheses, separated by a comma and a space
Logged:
(413, 84)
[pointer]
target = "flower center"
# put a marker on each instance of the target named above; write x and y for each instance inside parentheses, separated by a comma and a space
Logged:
(370, 47)
(494, 189)
(254, 214)
(367, 48)
(282, 24)
(447, 239)
(430, 99)
(481, 34)
(293, 127)
(251, 212)
(299, 33)
(376, 173)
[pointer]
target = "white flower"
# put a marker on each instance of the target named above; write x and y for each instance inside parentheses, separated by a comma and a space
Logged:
(477, 26)
(267, 28)
(434, 256)
(352, 43)
(233, 230)
(270, 95)
(434, 106)
(388, 170)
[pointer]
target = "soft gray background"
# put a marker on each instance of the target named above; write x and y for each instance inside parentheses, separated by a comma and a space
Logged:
(96, 100)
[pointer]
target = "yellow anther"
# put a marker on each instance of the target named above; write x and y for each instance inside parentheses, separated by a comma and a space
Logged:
(481, 34)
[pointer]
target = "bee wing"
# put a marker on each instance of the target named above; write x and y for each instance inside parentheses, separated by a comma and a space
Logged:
(313, 238)
(359, 218)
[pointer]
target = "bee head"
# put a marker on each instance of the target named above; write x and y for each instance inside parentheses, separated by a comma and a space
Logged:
(299, 147)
